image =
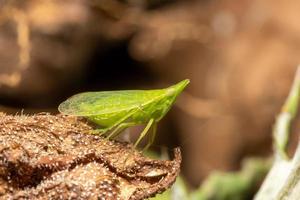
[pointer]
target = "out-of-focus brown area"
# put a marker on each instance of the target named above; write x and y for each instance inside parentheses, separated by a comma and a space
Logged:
(239, 55)
(52, 157)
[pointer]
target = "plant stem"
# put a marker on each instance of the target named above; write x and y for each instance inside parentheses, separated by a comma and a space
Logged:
(278, 179)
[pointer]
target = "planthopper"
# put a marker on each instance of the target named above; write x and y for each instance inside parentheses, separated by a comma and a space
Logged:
(115, 111)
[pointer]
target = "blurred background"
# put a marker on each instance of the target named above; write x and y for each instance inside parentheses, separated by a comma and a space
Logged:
(239, 55)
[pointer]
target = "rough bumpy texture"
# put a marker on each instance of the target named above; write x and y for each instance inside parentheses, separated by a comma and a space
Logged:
(52, 157)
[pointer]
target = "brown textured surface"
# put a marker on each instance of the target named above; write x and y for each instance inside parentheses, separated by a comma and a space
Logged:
(51, 157)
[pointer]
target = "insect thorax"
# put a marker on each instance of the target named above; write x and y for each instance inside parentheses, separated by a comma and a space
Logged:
(155, 110)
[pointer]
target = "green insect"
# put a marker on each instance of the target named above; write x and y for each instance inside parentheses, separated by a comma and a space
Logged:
(115, 111)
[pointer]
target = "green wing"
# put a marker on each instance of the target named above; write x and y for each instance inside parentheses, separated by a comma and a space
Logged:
(97, 103)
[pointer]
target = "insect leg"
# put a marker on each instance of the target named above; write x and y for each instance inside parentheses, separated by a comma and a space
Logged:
(119, 129)
(144, 132)
(100, 131)
(152, 136)
(104, 130)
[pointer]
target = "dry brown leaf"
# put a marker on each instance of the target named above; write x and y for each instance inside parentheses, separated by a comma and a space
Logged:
(52, 157)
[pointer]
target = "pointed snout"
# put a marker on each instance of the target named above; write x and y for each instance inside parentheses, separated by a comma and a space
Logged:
(177, 89)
